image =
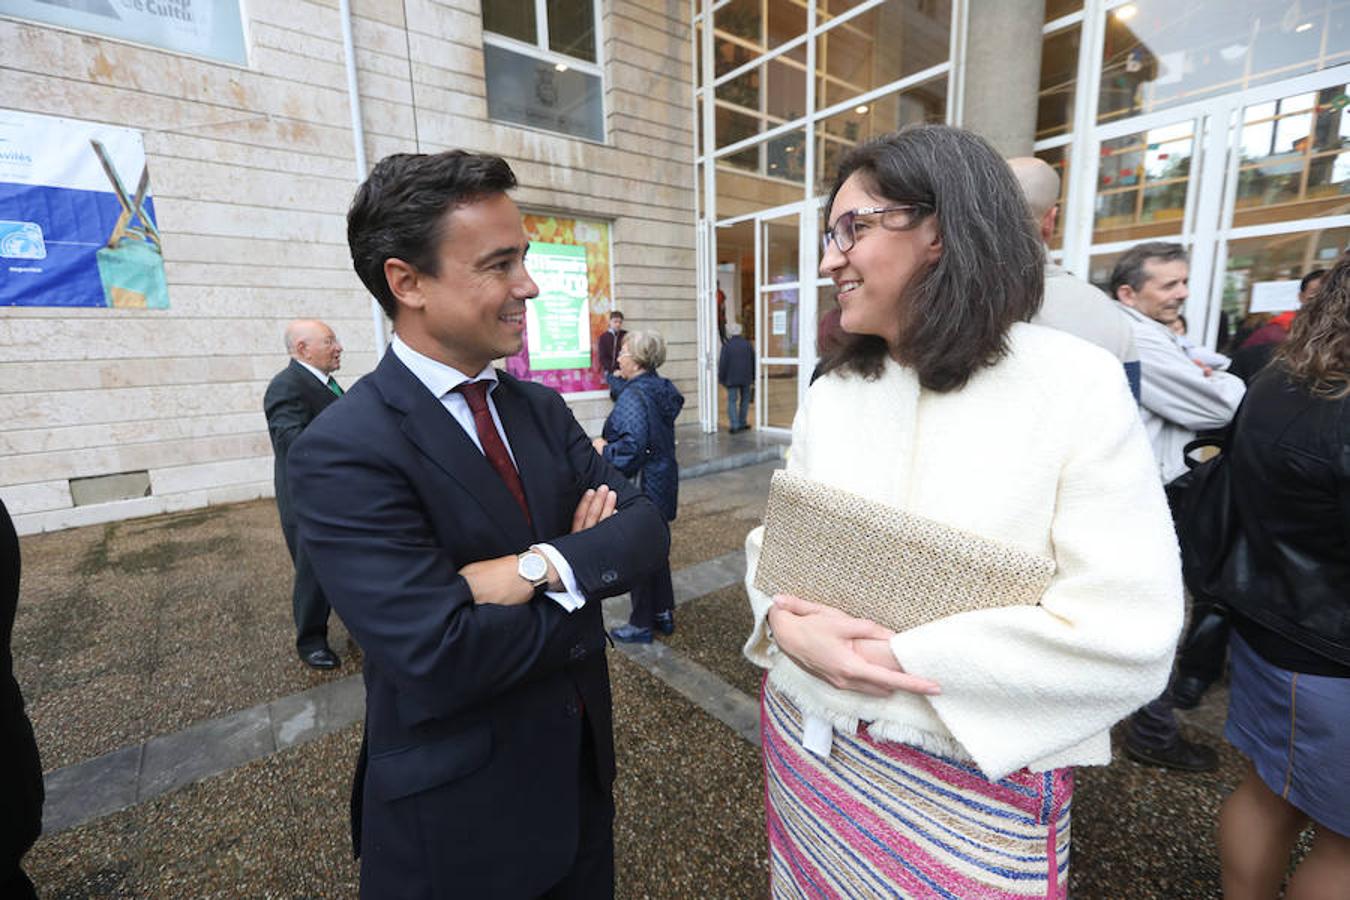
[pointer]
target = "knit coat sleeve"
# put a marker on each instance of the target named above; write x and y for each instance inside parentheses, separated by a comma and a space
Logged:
(1025, 683)
(760, 648)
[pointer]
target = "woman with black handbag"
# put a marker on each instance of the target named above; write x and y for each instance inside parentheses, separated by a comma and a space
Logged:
(1287, 582)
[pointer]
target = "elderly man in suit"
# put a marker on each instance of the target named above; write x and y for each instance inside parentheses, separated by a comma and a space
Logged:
(466, 532)
(296, 396)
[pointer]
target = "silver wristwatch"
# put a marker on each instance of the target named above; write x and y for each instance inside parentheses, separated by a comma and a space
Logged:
(533, 567)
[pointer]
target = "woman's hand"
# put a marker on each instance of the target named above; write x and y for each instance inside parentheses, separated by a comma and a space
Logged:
(848, 653)
(599, 444)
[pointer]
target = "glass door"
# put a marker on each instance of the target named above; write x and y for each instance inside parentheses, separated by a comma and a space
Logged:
(1256, 185)
(1287, 209)
(1155, 178)
(780, 294)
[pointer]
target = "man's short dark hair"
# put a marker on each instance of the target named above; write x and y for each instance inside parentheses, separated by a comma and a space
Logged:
(615, 314)
(1130, 267)
(1310, 278)
(399, 210)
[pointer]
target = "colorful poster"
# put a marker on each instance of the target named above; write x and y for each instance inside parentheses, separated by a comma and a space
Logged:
(210, 28)
(77, 224)
(558, 322)
(592, 238)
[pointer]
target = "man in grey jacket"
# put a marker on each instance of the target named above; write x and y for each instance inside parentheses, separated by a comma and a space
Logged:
(1178, 397)
(1071, 304)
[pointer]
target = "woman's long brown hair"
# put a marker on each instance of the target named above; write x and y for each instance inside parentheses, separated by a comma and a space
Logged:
(1317, 351)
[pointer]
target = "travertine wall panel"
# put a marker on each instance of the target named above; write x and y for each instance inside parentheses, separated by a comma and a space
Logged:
(252, 171)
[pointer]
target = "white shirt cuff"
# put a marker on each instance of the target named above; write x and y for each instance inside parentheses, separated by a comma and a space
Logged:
(571, 598)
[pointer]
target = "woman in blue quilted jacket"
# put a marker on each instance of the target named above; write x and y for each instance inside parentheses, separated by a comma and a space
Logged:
(639, 439)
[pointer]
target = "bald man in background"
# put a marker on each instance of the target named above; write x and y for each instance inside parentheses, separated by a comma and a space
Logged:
(1071, 304)
(296, 396)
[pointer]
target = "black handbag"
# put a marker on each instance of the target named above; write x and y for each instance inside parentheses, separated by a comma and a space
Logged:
(1201, 502)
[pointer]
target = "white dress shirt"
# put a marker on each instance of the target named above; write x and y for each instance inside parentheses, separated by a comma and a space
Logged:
(442, 380)
(317, 373)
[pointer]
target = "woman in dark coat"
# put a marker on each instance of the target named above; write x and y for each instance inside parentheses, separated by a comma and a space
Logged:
(1287, 581)
(639, 439)
(20, 770)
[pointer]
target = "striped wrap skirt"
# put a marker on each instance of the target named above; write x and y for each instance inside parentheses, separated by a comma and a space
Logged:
(882, 819)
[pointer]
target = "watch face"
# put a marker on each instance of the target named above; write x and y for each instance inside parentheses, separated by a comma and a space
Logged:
(533, 566)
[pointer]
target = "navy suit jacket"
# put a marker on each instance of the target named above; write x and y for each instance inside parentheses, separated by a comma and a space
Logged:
(468, 781)
(294, 398)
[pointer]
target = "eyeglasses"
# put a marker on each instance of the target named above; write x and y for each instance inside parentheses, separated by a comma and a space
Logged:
(900, 217)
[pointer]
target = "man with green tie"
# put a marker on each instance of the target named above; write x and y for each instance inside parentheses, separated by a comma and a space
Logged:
(295, 398)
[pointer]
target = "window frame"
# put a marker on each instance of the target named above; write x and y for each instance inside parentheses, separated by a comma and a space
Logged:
(541, 51)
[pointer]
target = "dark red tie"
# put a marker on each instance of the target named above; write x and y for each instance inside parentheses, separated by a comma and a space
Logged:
(476, 393)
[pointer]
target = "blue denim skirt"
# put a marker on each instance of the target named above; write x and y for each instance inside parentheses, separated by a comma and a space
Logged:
(1295, 728)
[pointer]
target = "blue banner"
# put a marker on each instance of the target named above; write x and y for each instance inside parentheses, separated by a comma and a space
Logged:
(77, 224)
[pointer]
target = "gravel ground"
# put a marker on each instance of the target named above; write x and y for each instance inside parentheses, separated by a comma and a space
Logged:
(689, 819)
(712, 630)
(138, 628)
(717, 512)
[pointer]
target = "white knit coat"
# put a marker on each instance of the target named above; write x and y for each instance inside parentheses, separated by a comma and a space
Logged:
(1043, 451)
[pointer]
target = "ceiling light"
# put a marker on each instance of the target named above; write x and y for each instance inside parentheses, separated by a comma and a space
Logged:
(560, 67)
(1306, 26)
(861, 110)
(1127, 12)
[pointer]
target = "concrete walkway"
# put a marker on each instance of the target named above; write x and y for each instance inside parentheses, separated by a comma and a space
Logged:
(702, 454)
(89, 790)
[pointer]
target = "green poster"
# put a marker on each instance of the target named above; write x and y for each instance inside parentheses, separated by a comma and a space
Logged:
(557, 322)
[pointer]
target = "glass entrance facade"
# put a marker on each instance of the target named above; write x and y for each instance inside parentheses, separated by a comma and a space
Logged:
(783, 88)
(1220, 124)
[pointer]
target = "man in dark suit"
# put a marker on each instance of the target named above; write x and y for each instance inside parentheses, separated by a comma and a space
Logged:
(20, 771)
(466, 531)
(296, 396)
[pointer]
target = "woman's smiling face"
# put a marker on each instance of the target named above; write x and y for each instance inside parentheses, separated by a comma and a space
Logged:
(872, 277)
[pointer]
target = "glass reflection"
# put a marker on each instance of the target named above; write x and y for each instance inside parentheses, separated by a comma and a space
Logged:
(780, 240)
(1059, 82)
(1142, 183)
(1281, 257)
(778, 394)
(1294, 158)
(851, 60)
(1158, 53)
(839, 133)
(778, 331)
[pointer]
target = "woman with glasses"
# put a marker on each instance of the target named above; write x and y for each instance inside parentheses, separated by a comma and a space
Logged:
(1288, 585)
(639, 440)
(937, 762)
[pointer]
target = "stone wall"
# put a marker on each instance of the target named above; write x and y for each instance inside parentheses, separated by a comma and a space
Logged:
(252, 169)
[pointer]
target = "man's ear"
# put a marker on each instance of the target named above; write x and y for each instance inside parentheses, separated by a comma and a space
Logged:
(405, 282)
(1048, 223)
(1125, 294)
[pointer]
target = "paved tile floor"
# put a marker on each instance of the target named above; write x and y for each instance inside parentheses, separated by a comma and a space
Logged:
(145, 628)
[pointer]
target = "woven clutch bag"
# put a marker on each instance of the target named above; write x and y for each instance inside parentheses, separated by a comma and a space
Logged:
(881, 563)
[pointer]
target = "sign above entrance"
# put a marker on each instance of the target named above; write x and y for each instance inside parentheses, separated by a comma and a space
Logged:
(211, 28)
